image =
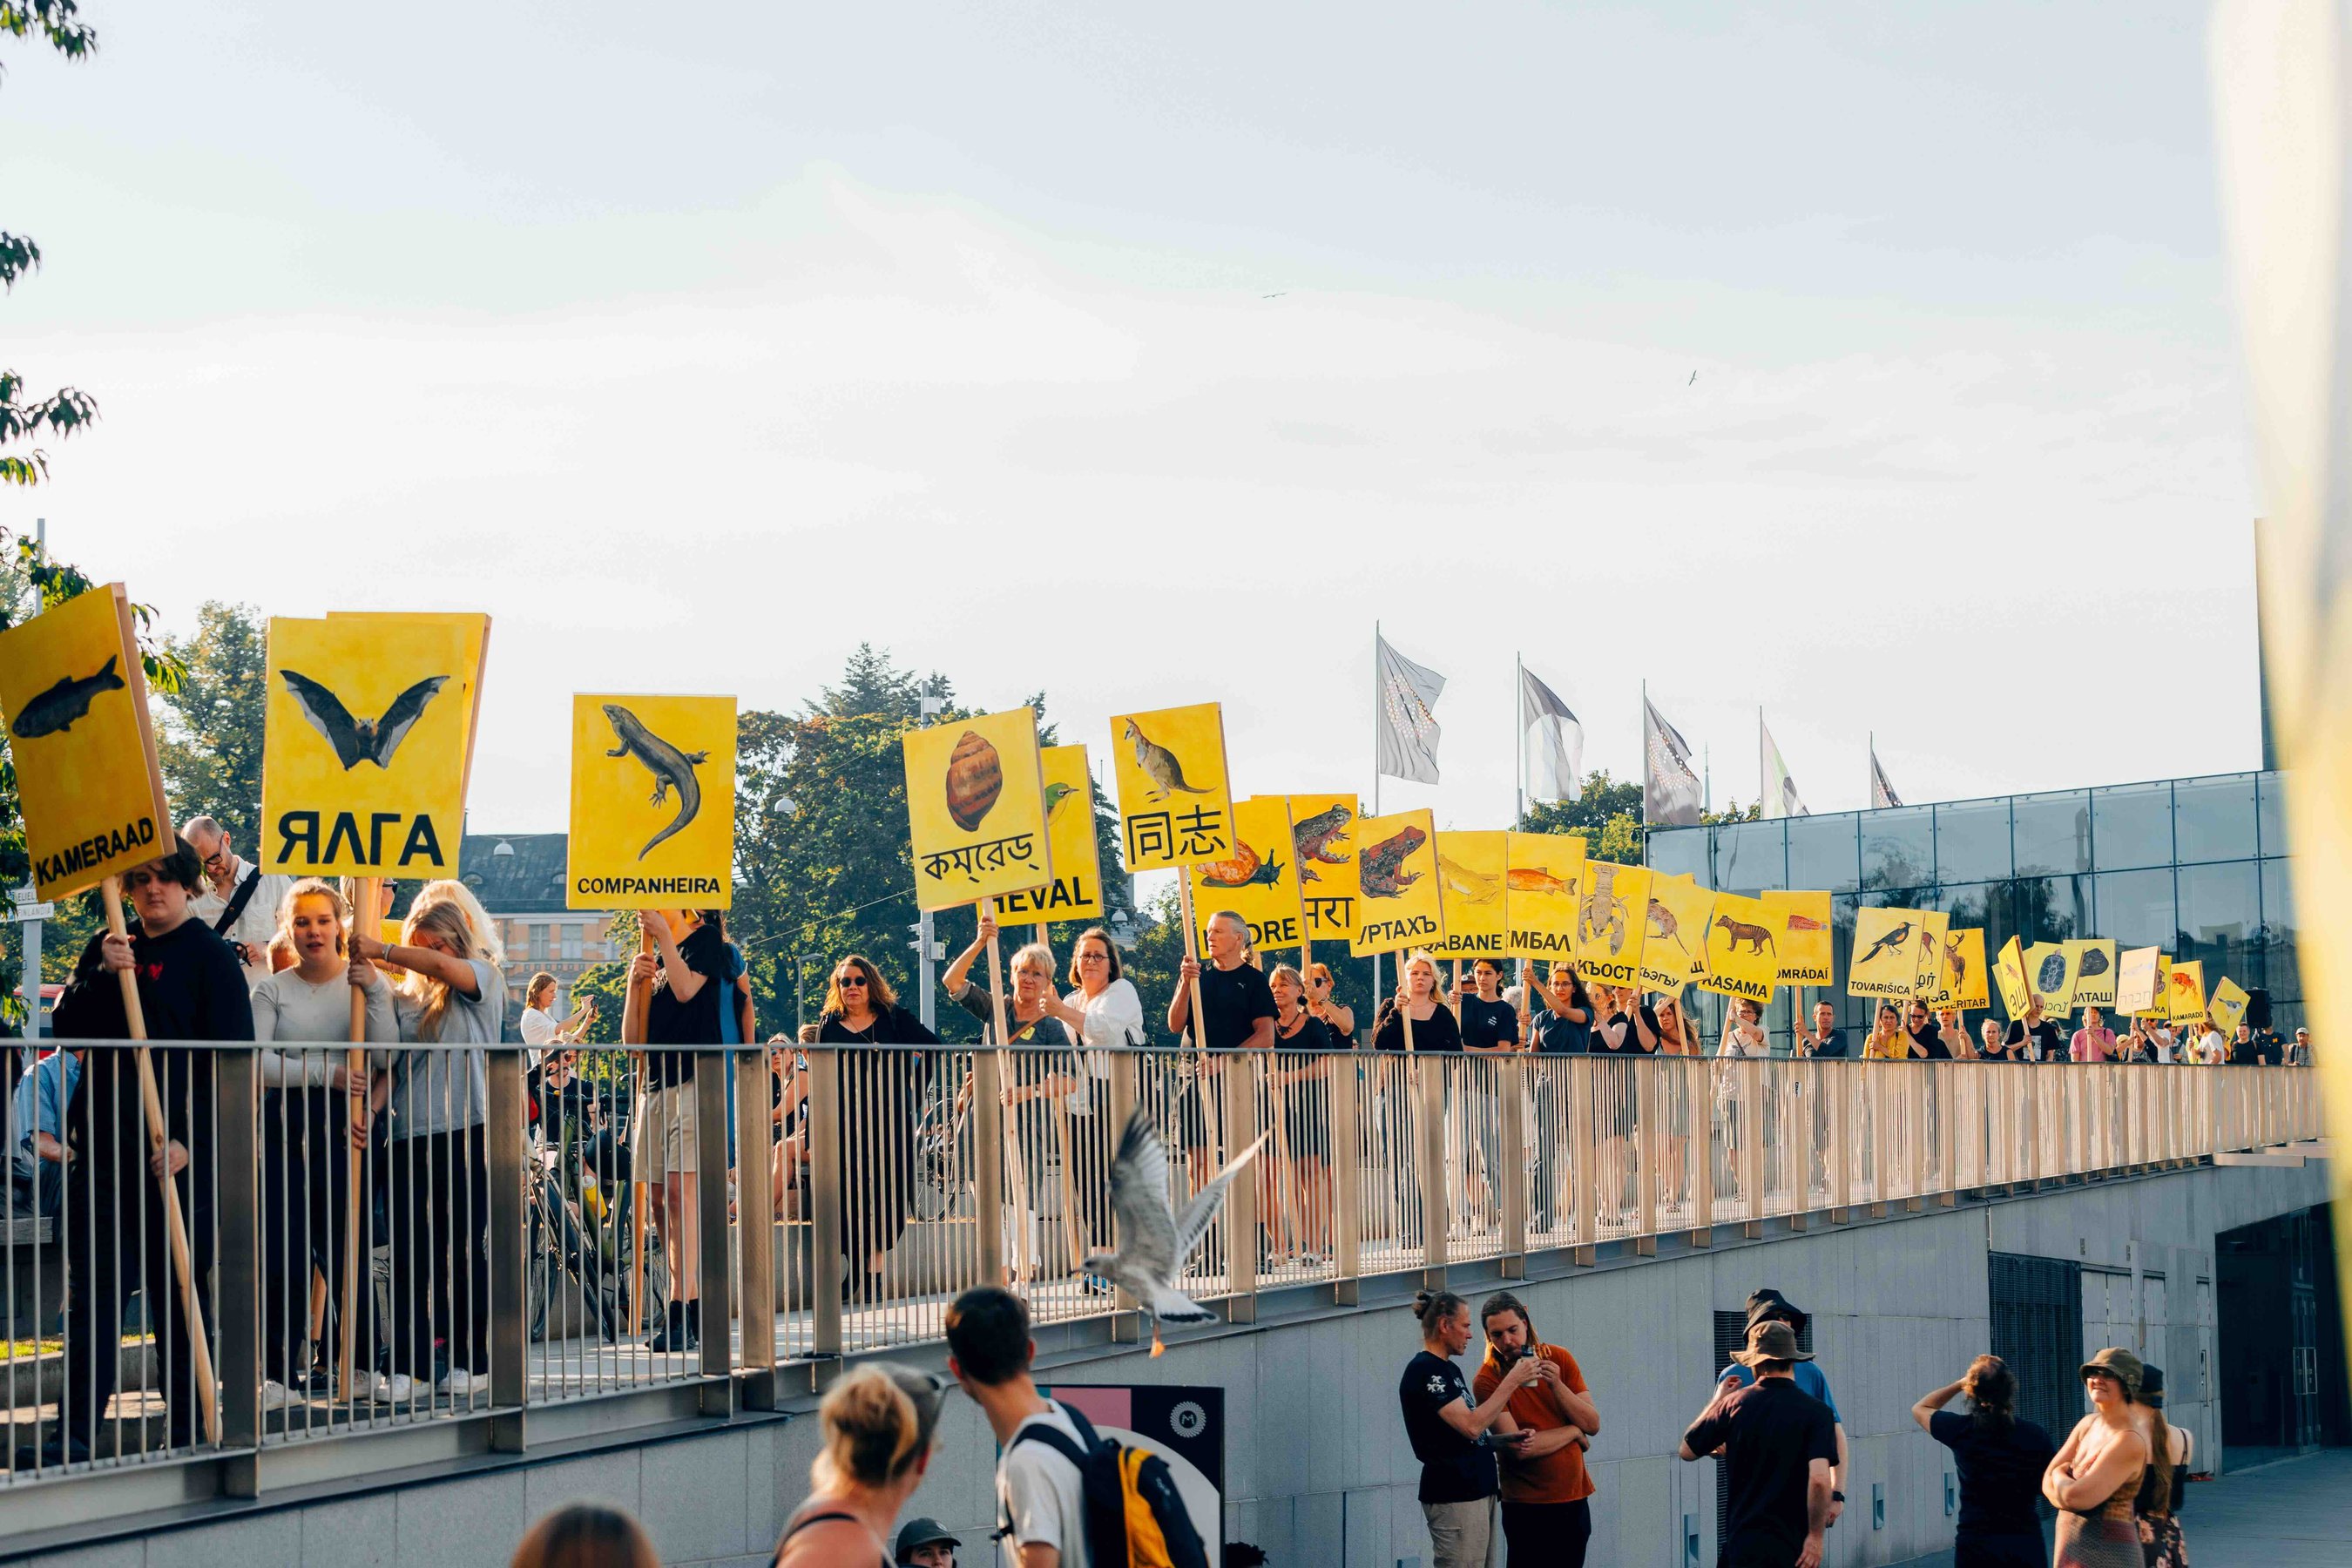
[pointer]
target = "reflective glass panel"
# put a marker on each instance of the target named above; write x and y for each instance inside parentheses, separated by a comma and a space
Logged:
(1680, 851)
(1751, 857)
(1898, 847)
(1972, 841)
(1826, 852)
(2052, 832)
(2131, 825)
(2052, 909)
(2213, 819)
(2281, 971)
(2271, 811)
(1850, 1008)
(2220, 905)
(2136, 907)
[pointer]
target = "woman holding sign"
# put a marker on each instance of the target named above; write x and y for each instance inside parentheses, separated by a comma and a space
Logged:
(1309, 1104)
(1033, 1015)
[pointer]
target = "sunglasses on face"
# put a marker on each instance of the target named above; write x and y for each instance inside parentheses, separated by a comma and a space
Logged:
(844, 980)
(134, 880)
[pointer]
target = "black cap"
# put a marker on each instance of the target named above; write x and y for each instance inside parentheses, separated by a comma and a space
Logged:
(917, 1533)
(2151, 1381)
(1770, 1303)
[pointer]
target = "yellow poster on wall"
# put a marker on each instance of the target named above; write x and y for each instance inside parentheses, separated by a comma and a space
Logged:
(1542, 873)
(2050, 970)
(1673, 947)
(1076, 891)
(1470, 871)
(1801, 927)
(1960, 980)
(2094, 971)
(976, 808)
(1175, 806)
(1259, 881)
(1928, 951)
(652, 803)
(1612, 921)
(1323, 834)
(1397, 904)
(366, 742)
(2185, 995)
(2228, 1004)
(2009, 969)
(1742, 958)
(2139, 979)
(74, 695)
(1885, 957)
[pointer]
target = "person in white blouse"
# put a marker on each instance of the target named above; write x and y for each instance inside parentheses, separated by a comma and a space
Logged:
(1743, 1032)
(1113, 1018)
(541, 1029)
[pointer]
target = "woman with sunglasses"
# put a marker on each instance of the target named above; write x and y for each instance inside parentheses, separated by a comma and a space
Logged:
(1329, 1010)
(1110, 1016)
(882, 1098)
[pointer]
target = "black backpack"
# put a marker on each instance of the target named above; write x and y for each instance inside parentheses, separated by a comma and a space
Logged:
(1134, 1516)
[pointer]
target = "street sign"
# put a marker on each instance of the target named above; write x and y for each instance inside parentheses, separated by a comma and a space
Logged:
(26, 913)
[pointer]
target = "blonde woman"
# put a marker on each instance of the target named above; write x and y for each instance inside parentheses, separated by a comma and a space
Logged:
(878, 1425)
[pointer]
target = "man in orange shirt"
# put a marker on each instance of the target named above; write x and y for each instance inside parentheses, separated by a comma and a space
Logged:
(1547, 1514)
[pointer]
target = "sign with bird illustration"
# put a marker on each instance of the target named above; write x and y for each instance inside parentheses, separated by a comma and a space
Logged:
(1323, 833)
(976, 808)
(2050, 970)
(2009, 969)
(2094, 971)
(1673, 947)
(1542, 872)
(1397, 904)
(2139, 977)
(1174, 803)
(2228, 1004)
(2184, 990)
(1076, 891)
(1471, 868)
(1885, 956)
(1259, 880)
(1960, 979)
(1801, 924)
(74, 696)
(367, 738)
(1612, 923)
(1742, 957)
(652, 803)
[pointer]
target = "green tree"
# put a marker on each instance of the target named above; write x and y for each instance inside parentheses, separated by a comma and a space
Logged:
(23, 419)
(210, 729)
(1607, 814)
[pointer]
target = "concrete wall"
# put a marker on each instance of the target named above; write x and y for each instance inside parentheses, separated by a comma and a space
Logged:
(1318, 1469)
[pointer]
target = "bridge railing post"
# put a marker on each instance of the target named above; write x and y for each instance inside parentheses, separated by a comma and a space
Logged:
(1348, 1139)
(1582, 1103)
(1430, 1143)
(1243, 1210)
(1511, 1139)
(825, 1219)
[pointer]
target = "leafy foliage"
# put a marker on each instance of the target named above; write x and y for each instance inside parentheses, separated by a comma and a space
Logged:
(1607, 814)
(209, 740)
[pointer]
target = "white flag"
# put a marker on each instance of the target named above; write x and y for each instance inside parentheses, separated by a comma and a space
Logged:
(1670, 786)
(1555, 742)
(1407, 735)
(1882, 793)
(1780, 797)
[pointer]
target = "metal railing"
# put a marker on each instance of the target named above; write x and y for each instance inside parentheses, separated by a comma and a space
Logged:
(428, 1292)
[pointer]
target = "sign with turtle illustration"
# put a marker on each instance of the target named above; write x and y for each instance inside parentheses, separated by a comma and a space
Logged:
(1885, 962)
(1323, 834)
(1471, 867)
(2184, 990)
(2009, 969)
(2228, 1004)
(74, 695)
(2094, 971)
(1800, 926)
(2050, 971)
(1541, 874)
(976, 808)
(367, 738)
(1076, 891)
(1673, 945)
(1960, 979)
(1742, 958)
(1259, 880)
(1175, 801)
(652, 803)
(2139, 977)
(1612, 921)
(1397, 904)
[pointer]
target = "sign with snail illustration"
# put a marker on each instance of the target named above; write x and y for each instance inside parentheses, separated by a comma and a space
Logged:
(1175, 804)
(1801, 925)
(1612, 921)
(2139, 980)
(1885, 962)
(1673, 947)
(1960, 979)
(1259, 880)
(367, 738)
(2228, 1004)
(75, 697)
(652, 803)
(1541, 874)
(2094, 971)
(1742, 958)
(2184, 990)
(1397, 904)
(1471, 867)
(2050, 970)
(976, 808)
(1323, 834)
(1076, 891)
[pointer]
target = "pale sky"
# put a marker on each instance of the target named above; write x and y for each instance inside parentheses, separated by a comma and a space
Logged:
(698, 345)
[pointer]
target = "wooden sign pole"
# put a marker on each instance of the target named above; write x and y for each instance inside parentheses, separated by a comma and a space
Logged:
(635, 1001)
(366, 906)
(1016, 1174)
(1212, 1118)
(1077, 1242)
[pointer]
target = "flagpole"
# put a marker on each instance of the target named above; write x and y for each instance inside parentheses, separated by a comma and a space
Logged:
(1376, 782)
(1520, 739)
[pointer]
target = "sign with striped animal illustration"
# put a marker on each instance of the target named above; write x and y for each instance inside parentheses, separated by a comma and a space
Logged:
(1076, 891)
(1323, 834)
(1800, 928)
(976, 808)
(1673, 947)
(1960, 980)
(2139, 977)
(1259, 881)
(1174, 805)
(2184, 991)
(1471, 867)
(2094, 971)
(2009, 970)
(1541, 874)
(1397, 904)
(2050, 970)
(2228, 1004)
(74, 696)
(1743, 959)
(1612, 921)
(652, 803)
(366, 742)
(1885, 958)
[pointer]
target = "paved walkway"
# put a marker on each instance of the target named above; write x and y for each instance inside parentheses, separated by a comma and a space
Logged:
(2294, 1514)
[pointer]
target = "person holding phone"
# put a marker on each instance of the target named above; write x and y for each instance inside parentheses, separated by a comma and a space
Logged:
(1453, 1437)
(1547, 1492)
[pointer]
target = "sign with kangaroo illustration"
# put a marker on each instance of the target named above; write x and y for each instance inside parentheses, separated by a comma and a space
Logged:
(1323, 833)
(1801, 925)
(976, 808)
(1076, 891)
(1542, 873)
(652, 803)
(1885, 958)
(1673, 947)
(1742, 957)
(1612, 922)
(1397, 904)
(1174, 803)
(1258, 881)
(1471, 868)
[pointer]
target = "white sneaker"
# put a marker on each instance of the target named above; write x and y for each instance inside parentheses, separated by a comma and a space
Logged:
(459, 1383)
(275, 1396)
(397, 1389)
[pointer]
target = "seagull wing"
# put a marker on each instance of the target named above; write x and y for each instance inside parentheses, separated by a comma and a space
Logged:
(1171, 1305)
(1138, 1202)
(402, 716)
(1208, 1201)
(327, 715)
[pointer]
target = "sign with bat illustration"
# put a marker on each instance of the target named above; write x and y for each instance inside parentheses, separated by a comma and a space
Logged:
(1885, 958)
(1076, 891)
(1174, 803)
(1323, 831)
(2228, 1004)
(2050, 971)
(1742, 958)
(1612, 923)
(1801, 925)
(1542, 872)
(1397, 903)
(2009, 969)
(370, 720)
(2094, 971)
(1673, 947)
(74, 695)
(1259, 881)
(1960, 979)
(2140, 972)
(652, 803)
(976, 808)
(1471, 867)
(2184, 991)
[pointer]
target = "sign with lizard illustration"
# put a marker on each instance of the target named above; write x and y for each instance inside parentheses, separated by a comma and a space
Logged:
(1673, 948)
(1612, 921)
(1076, 891)
(1259, 881)
(976, 808)
(1541, 874)
(1471, 867)
(1175, 804)
(652, 803)
(1743, 958)
(1885, 958)
(2094, 971)
(2050, 971)
(1960, 980)
(1323, 833)
(1800, 926)
(1397, 904)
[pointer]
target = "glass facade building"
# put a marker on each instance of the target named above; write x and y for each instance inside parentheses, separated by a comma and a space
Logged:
(2197, 866)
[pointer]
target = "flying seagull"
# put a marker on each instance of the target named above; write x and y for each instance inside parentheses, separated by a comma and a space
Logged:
(1692, 381)
(1154, 1240)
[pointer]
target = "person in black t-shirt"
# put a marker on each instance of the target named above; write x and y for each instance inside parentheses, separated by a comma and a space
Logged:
(1824, 1039)
(1434, 1025)
(1459, 1480)
(1564, 1026)
(1778, 1444)
(1237, 1015)
(2000, 1460)
(1927, 1040)
(2036, 1039)
(1490, 1027)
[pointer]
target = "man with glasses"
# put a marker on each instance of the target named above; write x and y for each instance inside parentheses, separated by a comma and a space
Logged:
(236, 901)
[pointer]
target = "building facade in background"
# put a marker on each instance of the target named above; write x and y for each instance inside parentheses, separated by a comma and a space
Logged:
(518, 877)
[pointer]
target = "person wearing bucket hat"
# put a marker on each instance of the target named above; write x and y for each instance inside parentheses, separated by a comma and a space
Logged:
(1764, 1302)
(2160, 1497)
(2095, 1476)
(1777, 1443)
(923, 1544)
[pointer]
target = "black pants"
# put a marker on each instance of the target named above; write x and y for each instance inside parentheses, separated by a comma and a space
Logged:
(116, 1245)
(440, 1193)
(1547, 1534)
(305, 1222)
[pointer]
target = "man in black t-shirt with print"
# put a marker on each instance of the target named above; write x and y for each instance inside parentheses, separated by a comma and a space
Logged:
(1777, 1443)
(2048, 1038)
(1238, 1015)
(1459, 1479)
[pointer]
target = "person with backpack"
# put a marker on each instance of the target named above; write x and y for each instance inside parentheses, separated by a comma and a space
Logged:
(236, 901)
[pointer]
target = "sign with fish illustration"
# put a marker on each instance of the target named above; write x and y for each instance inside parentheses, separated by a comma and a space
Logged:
(2094, 971)
(2050, 970)
(1323, 834)
(1927, 952)
(1259, 881)
(2139, 977)
(1542, 873)
(2228, 1004)
(1673, 945)
(74, 695)
(1470, 871)
(1960, 979)
(1885, 962)
(1397, 904)
(976, 808)
(2009, 970)
(365, 745)
(1076, 891)
(1612, 921)
(1800, 926)
(1743, 959)
(1174, 805)
(652, 803)
(2184, 990)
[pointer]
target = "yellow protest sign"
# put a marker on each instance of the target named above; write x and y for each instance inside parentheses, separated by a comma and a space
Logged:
(2094, 971)
(1960, 980)
(1612, 921)
(75, 697)
(1742, 958)
(1927, 952)
(2185, 995)
(1800, 928)
(1673, 947)
(1322, 832)
(1397, 904)
(1174, 803)
(2009, 968)
(976, 808)
(2161, 1008)
(1541, 874)
(1885, 958)
(366, 742)
(2139, 977)
(1076, 891)
(1259, 881)
(1470, 872)
(652, 803)
(2050, 970)
(2228, 1004)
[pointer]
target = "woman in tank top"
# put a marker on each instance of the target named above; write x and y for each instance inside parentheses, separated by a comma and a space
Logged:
(2096, 1477)
(878, 1425)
